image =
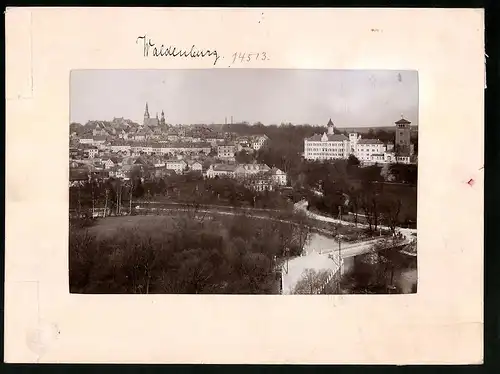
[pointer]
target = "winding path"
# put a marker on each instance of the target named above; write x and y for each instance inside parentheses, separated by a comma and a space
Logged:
(302, 206)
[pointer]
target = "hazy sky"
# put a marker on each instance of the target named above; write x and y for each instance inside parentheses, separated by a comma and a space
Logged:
(351, 98)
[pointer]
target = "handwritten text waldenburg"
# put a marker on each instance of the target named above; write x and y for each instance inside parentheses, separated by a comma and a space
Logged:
(155, 50)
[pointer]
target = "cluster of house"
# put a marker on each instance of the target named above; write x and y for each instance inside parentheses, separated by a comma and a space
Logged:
(115, 148)
(154, 136)
(329, 146)
(225, 150)
(259, 177)
(95, 145)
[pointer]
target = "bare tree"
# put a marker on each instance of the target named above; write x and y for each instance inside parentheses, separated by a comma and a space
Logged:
(311, 282)
(301, 230)
(390, 208)
(106, 203)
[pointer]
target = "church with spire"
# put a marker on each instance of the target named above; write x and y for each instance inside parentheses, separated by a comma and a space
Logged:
(153, 122)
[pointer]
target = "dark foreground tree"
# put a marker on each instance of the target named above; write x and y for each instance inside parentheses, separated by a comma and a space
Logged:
(182, 254)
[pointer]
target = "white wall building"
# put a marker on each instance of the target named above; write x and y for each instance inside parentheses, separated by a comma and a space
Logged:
(195, 166)
(364, 149)
(245, 170)
(177, 165)
(326, 147)
(107, 163)
(226, 151)
(278, 177)
(86, 140)
(91, 152)
(118, 147)
(329, 146)
(221, 170)
(259, 141)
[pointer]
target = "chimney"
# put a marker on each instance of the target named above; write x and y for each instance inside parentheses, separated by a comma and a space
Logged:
(231, 120)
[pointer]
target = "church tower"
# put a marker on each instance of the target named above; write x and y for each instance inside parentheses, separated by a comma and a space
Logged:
(330, 127)
(146, 115)
(162, 120)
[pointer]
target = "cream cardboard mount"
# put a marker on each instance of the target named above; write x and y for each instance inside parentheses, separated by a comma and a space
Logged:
(441, 323)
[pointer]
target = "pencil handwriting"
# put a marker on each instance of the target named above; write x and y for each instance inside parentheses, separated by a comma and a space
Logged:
(151, 49)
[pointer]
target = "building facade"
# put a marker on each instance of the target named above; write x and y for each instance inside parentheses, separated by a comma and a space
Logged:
(259, 141)
(278, 177)
(221, 170)
(329, 146)
(226, 151)
(403, 131)
(366, 149)
(176, 165)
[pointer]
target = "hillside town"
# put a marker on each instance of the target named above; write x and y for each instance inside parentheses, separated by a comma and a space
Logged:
(113, 149)
(297, 209)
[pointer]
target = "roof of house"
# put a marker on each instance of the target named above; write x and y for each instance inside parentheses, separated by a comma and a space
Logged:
(186, 145)
(255, 166)
(260, 136)
(140, 160)
(369, 141)
(276, 171)
(175, 161)
(199, 145)
(121, 143)
(226, 145)
(142, 145)
(331, 138)
(403, 121)
(225, 167)
(88, 146)
(330, 123)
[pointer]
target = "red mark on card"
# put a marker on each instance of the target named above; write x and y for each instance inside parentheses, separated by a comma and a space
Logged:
(470, 182)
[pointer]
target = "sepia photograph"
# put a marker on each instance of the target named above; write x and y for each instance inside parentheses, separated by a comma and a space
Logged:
(243, 181)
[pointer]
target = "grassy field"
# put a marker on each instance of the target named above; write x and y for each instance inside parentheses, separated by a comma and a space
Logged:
(180, 254)
(107, 227)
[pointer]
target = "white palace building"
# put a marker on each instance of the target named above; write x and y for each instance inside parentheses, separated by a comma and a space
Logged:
(331, 146)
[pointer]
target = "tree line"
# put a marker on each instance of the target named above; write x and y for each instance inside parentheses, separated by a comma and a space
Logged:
(345, 187)
(116, 196)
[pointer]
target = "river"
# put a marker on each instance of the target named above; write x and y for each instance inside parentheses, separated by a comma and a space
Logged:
(405, 276)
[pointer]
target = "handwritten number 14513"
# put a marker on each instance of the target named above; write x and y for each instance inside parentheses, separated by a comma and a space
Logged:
(247, 57)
